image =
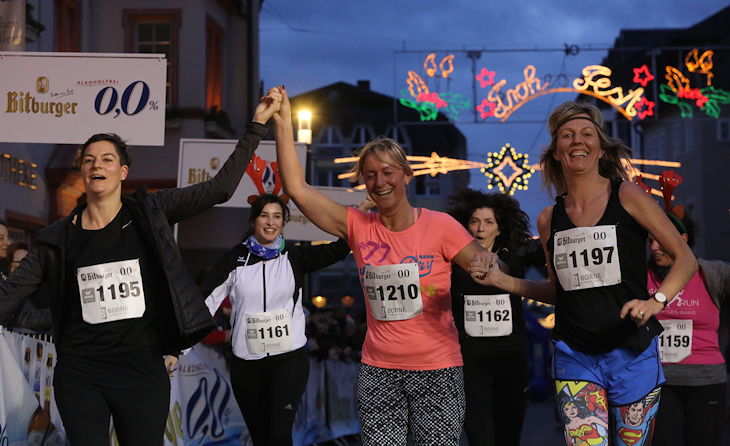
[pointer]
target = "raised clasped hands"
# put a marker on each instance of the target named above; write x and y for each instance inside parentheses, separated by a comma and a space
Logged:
(269, 105)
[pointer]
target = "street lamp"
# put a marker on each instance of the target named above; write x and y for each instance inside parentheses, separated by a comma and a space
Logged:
(304, 132)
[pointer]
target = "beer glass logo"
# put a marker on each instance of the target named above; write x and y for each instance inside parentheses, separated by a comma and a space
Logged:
(41, 84)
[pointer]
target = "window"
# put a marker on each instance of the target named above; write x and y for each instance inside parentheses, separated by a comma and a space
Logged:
(213, 65)
(67, 35)
(723, 130)
(156, 32)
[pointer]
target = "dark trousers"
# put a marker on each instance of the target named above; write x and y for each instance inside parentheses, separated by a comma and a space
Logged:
(268, 391)
(85, 408)
(496, 401)
(690, 416)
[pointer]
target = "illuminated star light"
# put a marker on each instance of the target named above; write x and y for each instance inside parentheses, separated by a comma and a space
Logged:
(485, 77)
(495, 171)
(644, 108)
(642, 75)
(486, 109)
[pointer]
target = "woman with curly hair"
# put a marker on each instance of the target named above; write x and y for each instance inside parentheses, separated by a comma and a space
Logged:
(489, 320)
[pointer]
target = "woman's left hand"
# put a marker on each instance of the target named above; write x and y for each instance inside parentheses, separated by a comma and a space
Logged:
(641, 310)
(170, 363)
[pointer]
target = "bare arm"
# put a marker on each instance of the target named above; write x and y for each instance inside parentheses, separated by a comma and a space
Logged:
(324, 212)
(651, 217)
(541, 290)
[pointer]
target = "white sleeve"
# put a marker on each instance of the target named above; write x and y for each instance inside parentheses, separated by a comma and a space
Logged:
(218, 295)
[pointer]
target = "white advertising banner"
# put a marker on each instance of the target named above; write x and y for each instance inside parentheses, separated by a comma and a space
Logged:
(12, 25)
(63, 98)
(200, 160)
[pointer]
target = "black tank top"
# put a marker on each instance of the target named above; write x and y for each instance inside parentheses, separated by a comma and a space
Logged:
(588, 319)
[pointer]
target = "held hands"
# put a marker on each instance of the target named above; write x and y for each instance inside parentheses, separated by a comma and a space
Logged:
(269, 105)
(484, 267)
(283, 116)
(641, 310)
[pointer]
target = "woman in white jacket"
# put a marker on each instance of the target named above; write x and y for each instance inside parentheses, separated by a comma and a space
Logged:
(263, 276)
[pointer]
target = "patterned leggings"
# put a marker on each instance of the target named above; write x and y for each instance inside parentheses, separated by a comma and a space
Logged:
(427, 404)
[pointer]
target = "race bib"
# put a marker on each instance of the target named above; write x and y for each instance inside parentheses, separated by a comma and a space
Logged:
(268, 332)
(675, 342)
(111, 291)
(487, 315)
(393, 291)
(586, 257)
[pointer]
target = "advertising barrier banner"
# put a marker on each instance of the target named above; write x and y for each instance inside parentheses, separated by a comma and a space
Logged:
(63, 98)
(203, 410)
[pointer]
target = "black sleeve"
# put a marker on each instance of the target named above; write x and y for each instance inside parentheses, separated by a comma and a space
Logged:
(21, 283)
(313, 258)
(220, 270)
(181, 203)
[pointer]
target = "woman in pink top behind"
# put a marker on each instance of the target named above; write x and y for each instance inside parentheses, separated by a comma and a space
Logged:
(410, 382)
(693, 398)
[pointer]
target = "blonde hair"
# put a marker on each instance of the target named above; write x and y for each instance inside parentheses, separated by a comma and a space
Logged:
(387, 150)
(612, 165)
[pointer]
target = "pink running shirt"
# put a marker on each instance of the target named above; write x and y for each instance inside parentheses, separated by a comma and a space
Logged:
(428, 341)
(694, 302)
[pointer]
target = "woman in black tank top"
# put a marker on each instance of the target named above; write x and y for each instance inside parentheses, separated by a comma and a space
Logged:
(594, 238)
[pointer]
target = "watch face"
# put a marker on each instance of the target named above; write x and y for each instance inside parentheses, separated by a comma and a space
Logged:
(660, 297)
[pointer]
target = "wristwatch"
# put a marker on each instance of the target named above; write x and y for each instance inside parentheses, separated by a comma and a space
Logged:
(661, 298)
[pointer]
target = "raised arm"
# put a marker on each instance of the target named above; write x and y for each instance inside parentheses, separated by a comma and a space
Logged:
(541, 290)
(651, 217)
(324, 212)
(181, 203)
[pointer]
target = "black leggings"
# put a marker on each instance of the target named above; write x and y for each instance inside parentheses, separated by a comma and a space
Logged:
(495, 386)
(690, 415)
(139, 414)
(268, 391)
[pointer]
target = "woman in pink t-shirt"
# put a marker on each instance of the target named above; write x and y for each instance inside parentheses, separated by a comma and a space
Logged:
(410, 382)
(693, 398)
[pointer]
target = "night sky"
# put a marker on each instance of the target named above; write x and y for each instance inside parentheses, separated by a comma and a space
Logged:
(309, 44)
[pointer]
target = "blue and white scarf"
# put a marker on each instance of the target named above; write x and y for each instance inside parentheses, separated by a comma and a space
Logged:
(264, 252)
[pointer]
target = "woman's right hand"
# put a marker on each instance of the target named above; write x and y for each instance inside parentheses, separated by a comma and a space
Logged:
(283, 115)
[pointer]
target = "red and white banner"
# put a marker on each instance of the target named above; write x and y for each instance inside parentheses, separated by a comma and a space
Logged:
(63, 98)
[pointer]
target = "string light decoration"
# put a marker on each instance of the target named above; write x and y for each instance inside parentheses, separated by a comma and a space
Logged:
(642, 75)
(485, 77)
(595, 81)
(497, 172)
(508, 170)
(427, 103)
(446, 66)
(678, 91)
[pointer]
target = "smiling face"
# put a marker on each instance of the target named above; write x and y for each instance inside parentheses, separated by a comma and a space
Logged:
(386, 183)
(578, 145)
(483, 227)
(635, 414)
(101, 170)
(269, 224)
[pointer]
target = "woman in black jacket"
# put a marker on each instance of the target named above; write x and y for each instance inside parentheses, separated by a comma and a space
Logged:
(120, 296)
(490, 323)
(263, 277)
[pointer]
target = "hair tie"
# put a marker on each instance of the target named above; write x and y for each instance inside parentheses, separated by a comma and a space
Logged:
(573, 118)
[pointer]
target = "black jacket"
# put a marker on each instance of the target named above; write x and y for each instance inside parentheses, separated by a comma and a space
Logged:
(188, 319)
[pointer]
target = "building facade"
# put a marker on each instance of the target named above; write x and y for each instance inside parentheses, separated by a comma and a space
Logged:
(212, 52)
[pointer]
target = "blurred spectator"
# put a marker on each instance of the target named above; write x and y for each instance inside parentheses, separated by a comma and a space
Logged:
(16, 252)
(4, 264)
